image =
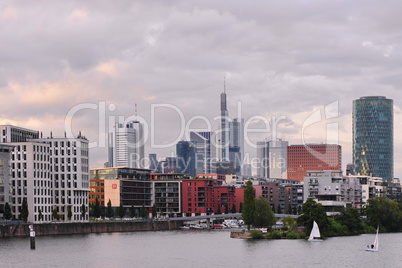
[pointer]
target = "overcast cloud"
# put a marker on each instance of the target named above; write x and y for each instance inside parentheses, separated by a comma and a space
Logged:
(280, 58)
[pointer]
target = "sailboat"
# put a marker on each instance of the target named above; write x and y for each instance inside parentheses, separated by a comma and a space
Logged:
(315, 235)
(374, 246)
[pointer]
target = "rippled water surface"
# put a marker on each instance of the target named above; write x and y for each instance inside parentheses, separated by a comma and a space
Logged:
(187, 248)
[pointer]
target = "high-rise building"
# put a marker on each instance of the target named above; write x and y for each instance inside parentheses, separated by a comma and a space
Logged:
(312, 157)
(185, 151)
(224, 129)
(236, 143)
(373, 140)
(262, 159)
(126, 145)
(277, 158)
(153, 162)
(203, 151)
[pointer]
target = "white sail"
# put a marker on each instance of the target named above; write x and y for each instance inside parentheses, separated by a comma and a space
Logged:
(374, 246)
(315, 233)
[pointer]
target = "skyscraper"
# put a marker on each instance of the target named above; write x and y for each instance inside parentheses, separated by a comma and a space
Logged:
(236, 143)
(263, 159)
(185, 151)
(224, 137)
(203, 151)
(126, 145)
(277, 158)
(373, 140)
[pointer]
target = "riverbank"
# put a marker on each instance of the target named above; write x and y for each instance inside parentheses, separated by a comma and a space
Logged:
(43, 229)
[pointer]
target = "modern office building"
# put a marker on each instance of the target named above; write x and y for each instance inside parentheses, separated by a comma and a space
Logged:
(236, 143)
(5, 176)
(126, 186)
(262, 159)
(153, 162)
(185, 151)
(126, 145)
(277, 158)
(312, 157)
(373, 140)
(203, 151)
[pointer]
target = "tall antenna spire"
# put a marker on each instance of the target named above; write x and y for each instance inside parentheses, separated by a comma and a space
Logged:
(136, 115)
(224, 84)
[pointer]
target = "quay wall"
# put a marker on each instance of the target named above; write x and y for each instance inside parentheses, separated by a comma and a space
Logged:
(21, 230)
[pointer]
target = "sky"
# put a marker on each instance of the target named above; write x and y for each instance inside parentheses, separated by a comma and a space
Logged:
(291, 68)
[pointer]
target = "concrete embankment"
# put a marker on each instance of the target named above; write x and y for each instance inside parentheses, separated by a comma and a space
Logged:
(20, 230)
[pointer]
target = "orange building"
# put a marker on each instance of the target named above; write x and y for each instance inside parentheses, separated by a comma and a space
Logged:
(312, 157)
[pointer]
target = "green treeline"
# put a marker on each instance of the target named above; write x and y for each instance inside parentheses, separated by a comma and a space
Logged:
(380, 211)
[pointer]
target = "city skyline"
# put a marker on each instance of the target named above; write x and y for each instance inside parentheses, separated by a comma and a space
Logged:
(177, 53)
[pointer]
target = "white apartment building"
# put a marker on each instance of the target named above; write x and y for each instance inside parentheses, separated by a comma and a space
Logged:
(69, 162)
(31, 179)
(332, 190)
(371, 187)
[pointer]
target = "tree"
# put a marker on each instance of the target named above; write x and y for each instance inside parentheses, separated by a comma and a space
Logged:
(384, 212)
(122, 211)
(40, 215)
(69, 213)
(96, 209)
(154, 212)
(24, 210)
(132, 211)
(55, 215)
(233, 209)
(264, 216)
(351, 219)
(219, 209)
(279, 210)
(312, 211)
(84, 211)
(248, 211)
(7, 211)
(144, 212)
(288, 222)
(109, 210)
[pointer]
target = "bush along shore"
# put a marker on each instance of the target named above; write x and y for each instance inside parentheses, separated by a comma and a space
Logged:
(381, 212)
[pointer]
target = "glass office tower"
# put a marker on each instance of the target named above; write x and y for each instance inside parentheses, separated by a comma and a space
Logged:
(373, 141)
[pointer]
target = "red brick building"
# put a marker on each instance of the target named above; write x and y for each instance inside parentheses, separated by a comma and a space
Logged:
(312, 157)
(206, 196)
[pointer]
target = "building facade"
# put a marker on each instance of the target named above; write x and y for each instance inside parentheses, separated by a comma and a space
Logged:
(333, 190)
(126, 145)
(126, 186)
(262, 159)
(373, 141)
(185, 151)
(312, 157)
(277, 158)
(5, 176)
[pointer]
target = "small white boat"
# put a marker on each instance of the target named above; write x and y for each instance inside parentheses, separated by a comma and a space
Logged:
(373, 247)
(315, 235)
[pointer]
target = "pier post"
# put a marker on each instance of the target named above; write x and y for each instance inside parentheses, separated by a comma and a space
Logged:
(32, 236)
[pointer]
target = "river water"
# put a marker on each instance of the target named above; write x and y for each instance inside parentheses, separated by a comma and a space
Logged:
(193, 248)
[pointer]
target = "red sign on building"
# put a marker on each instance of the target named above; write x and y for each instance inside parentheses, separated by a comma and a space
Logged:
(114, 186)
